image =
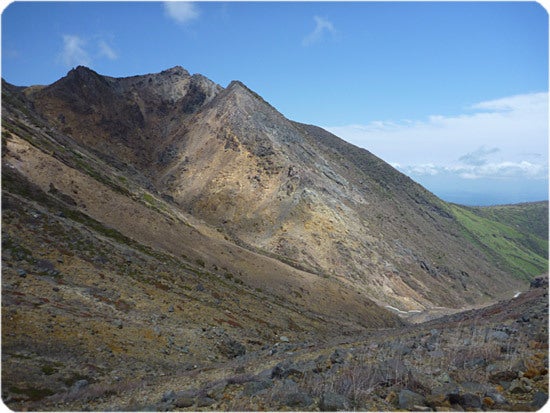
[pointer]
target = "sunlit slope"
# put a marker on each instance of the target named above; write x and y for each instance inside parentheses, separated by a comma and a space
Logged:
(506, 234)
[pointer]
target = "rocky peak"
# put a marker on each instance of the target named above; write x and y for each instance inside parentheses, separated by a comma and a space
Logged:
(80, 89)
(83, 75)
(175, 71)
(236, 85)
(168, 87)
(240, 102)
(81, 71)
(239, 88)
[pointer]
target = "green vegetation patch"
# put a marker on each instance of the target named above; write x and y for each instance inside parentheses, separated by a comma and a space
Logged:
(529, 218)
(517, 252)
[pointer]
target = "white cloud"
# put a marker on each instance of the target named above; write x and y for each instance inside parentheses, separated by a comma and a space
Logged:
(106, 51)
(181, 11)
(497, 139)
(76, 50)
(322, 26)
(73, 52)
(495, 170)
(479, 156)
(527, 102)
(503, 170)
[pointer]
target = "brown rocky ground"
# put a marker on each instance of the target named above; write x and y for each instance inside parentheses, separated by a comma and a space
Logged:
(494, 358)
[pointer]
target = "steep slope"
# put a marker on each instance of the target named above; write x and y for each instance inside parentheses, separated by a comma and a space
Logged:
(311, 199)
(288, 191)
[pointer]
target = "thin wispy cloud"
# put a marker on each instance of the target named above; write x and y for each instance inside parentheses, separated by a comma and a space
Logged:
(73, 52)
(106, 51)
(182, 12)
(323, 27)
(77, 50)
(502, 138)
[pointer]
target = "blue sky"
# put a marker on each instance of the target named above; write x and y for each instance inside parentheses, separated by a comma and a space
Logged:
(453, 94)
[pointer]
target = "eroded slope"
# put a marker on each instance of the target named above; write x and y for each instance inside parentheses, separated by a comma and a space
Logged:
(289, 191)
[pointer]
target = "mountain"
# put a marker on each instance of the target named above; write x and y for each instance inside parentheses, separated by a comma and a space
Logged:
(164, 223)
(286, 190)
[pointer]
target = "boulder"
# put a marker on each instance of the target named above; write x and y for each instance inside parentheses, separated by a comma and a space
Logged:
(437, 400)
(286, 369)
(437, 354)
(498, 398)
(502, 376)
(231, 348)
(205, 401)
(184, 401)
(470, 401)
(168, 396)
(444, 378)
(254, 387)
(79, 385)
(520, 386)
(297, 399)
(409, 399)
(331, 402)
(445, 388)
(499, 335)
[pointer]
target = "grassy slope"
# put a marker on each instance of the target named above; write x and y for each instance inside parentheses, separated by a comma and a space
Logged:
(509, 235)
(528, 218)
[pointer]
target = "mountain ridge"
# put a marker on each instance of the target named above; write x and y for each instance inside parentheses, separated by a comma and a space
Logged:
(293, 190)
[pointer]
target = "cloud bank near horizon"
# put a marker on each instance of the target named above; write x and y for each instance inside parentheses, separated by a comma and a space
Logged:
(502, 140)
(502, 137)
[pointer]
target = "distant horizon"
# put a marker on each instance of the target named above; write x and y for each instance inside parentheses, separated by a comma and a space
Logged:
(453, 94)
